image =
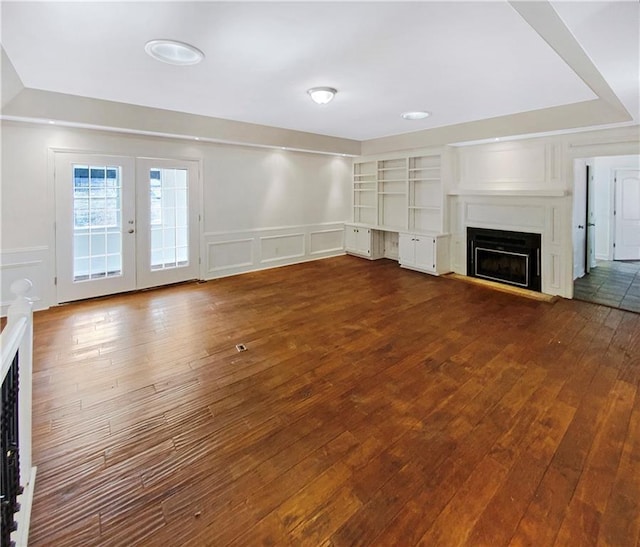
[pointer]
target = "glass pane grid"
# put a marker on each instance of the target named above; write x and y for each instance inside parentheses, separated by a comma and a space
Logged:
(169, 229)
(97, 206)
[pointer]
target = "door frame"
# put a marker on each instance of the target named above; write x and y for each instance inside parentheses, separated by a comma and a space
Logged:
(51, 196)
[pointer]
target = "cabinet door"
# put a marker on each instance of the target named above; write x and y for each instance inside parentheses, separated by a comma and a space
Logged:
(363, 236)
(351, 238)
(406, 249)
(425, 252)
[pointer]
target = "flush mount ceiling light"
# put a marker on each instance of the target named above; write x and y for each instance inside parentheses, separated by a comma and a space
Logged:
(174, 53)
(416, 115)
(322, 95)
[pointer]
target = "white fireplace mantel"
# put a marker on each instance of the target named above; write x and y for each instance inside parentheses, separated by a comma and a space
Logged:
(538, 211)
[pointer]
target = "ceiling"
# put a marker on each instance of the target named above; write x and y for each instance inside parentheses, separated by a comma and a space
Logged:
(461, 61)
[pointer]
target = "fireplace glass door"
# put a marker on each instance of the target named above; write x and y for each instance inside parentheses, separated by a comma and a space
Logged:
(504, 266)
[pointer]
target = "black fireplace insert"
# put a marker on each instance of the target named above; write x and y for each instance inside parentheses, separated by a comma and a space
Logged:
(504, 256)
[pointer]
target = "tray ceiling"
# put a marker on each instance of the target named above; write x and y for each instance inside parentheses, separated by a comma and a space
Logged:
(461, 61)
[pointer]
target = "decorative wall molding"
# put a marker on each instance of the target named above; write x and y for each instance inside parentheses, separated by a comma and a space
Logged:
(230, 253)
(512, 165)
(519, 217)
(29, 262)
(281, 247)
(326, 241)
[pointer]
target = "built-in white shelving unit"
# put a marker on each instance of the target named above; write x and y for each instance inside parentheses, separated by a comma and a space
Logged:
(405, 195)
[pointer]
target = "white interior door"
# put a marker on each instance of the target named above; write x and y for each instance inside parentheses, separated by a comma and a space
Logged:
(167, 221)
(627, 217)
(95, 244)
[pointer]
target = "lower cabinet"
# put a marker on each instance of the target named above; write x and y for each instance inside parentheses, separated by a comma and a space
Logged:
(425, 253)
(363, 241)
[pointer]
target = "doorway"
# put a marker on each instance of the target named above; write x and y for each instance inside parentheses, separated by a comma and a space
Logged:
(606, 231)
(124, 223)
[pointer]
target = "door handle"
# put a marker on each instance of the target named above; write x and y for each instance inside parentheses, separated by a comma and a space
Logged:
(591, 224)
(580, 227)
(131, 230)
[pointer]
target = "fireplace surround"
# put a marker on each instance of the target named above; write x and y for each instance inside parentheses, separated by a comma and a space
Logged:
(504, 256)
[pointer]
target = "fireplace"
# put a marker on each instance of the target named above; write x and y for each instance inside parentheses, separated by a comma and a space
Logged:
(506, 257)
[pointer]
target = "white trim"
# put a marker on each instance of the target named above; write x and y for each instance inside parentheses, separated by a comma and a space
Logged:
(173, 136)
(15, 250)
(273, 229)
(20, 264)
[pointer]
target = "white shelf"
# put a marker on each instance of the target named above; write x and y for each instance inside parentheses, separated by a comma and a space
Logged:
(364, 189)
(510, 193)
(421, 208)
(392, 193)
(425, 179)
(365, 207)
(389, 228)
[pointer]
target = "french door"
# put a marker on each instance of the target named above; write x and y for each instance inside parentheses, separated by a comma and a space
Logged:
(124, 224)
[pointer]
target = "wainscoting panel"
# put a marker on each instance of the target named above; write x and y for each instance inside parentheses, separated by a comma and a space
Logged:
(230, 253)
(281, 247)
(510, 165)
(556, 232)
(556, 278)
(31, 263)
(324, 241)
(506, 215)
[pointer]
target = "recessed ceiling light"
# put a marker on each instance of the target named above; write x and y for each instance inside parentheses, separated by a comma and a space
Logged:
(174, 53)
(415, 115)
(322, 95)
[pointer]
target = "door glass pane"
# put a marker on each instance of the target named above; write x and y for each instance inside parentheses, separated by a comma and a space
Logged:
(97, 227)
(168, 199)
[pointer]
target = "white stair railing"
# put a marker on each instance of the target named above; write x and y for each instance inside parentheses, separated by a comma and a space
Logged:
(18, 475)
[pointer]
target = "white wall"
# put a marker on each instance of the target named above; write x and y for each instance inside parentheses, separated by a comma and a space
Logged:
(603, 175)
(284, 206)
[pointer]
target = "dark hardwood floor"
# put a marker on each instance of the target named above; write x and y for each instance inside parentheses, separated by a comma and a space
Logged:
(373, 406)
